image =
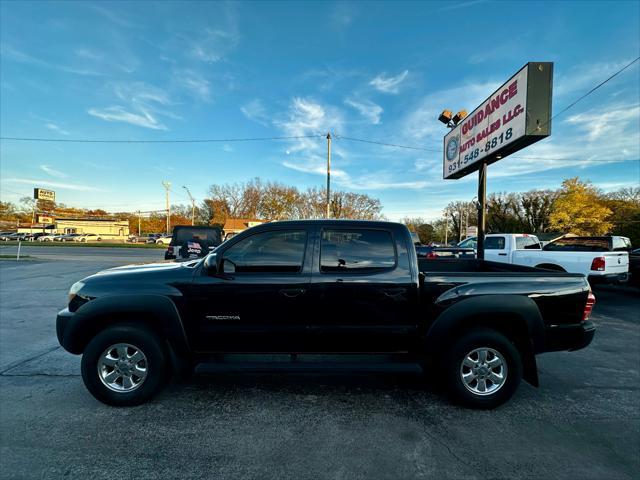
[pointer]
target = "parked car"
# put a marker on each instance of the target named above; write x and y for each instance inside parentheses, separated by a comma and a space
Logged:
(164, 240)
(4, 235)
(601, 259)
(32, 237)
(14, 237)
(137, 238)
(88, 237)
(59, 237)
(432, 251)
(69, 237)
(49, 237)
(189, 241)
(330, 286)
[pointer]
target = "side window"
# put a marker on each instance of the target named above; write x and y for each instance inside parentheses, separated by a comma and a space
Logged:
(356, 250)
(527, 243)
(279, 251)
(621, 244)
(494, 243)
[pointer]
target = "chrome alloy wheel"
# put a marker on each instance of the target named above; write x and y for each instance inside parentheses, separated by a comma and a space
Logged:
(483, 371)
(122, 367)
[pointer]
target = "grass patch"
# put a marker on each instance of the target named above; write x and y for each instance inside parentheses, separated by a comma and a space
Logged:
(12, 257)
(87, 244)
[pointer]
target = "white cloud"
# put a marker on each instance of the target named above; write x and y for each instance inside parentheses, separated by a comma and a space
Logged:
(254, 110)
(386, 84)
(579, 79)
(196, 84)
(227, 148)
(371, 111)
(53, 172)
(598, 124)
(56, 128)
(117, 113)
(144, 106)
(47, 183)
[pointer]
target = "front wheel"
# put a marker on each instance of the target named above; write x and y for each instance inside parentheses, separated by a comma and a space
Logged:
(124, 365)
(483, 369)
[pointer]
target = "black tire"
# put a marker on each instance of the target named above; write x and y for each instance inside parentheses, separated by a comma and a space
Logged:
(156, 363)
(481, 338)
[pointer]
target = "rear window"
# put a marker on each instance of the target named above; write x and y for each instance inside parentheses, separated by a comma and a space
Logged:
(526, 243)
(621, 244)
(494, 243)
(356, 250)
(580, 244)
(183, 234)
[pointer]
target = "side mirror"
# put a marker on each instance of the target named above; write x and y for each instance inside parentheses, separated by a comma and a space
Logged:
(212, 264)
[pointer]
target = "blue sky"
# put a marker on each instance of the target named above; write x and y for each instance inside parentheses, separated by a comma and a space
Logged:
(380, 71)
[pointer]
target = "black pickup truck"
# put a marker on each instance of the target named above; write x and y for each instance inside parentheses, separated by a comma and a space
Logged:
(337, 288)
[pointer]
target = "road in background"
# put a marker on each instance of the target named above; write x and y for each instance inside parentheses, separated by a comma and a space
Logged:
(583, 421)
(119, 255)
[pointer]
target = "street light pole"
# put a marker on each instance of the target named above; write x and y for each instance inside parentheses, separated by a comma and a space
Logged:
(193, 206)
(482, 207)
(167, 187)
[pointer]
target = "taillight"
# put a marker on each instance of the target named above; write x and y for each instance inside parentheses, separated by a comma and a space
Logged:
(588, 307)
(598, 264)
(170, 249)
(432, 255)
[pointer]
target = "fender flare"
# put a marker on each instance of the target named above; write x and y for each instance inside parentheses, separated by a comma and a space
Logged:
(159, 312)
(507, 311)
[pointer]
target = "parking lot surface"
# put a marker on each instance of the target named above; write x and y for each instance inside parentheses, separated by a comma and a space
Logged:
(583, 422)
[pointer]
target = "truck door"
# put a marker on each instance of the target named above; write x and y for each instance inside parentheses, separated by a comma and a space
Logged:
(496, 249)
(362, 291)
(257, 302)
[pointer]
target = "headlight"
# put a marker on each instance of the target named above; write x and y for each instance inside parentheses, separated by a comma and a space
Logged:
(75, 288)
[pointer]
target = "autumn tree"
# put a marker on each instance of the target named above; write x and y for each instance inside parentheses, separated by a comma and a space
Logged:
(425, 231)
(461, 215)
(535, 207)
(580, 209)
(625, 207)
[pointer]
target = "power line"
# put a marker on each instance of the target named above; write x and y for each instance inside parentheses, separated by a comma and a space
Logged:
(375, 142)
(197, 140)
(592, 90)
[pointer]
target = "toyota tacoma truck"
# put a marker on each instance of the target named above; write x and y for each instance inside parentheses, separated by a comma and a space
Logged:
(315, 290)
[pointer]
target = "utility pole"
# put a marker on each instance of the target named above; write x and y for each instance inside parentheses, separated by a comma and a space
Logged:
(167, 187)
(193, 206)
(446, 227)
(139, 224)
(328, 175)
(482, 208)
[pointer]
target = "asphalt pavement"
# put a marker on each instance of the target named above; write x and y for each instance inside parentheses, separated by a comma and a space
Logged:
(583, 422)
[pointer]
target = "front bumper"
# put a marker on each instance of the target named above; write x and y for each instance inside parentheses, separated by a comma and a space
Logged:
(62, 322)
(569, 337)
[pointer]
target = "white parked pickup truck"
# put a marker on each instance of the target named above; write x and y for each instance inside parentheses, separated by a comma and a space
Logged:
(601, 259)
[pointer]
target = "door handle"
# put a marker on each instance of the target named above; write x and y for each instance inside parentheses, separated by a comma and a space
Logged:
(502, 254)
(394, 292)
(292, 292)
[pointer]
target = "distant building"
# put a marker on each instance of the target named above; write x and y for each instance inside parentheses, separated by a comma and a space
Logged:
(232, 226)
(106, 228)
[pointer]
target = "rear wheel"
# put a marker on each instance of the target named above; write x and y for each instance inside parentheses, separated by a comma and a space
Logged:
(483, 369)
(124, 365)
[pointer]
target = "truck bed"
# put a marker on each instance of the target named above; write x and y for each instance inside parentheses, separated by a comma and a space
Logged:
(455, 265)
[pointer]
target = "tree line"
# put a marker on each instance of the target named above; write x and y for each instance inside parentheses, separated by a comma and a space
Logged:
(577, 207)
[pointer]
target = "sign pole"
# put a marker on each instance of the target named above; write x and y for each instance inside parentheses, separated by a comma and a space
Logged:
(482, 207)
(328, 175)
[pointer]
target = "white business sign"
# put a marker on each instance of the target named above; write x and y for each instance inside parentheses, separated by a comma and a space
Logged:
(496, 123)
(472, 231)
(42, 194)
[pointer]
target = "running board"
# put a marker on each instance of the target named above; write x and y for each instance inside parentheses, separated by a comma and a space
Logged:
(308, 367)
(307, 363)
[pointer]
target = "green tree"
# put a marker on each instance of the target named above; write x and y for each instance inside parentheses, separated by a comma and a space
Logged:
(580, 209)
